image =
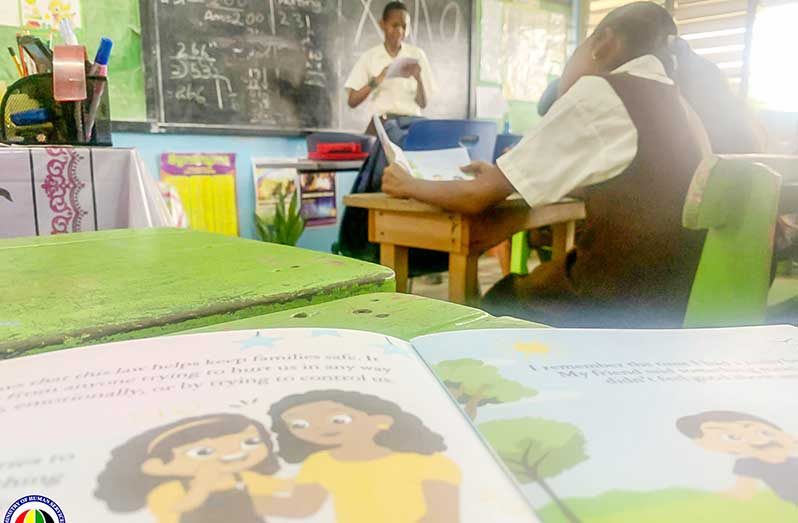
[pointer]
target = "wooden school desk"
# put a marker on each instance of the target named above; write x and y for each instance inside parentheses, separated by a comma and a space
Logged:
(398, 224)
(401, 315)
(79, 289)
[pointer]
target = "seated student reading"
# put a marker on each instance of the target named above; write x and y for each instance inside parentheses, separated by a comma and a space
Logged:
(621, 133)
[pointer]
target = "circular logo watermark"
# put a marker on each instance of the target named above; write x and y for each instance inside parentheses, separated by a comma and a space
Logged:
(34, 508)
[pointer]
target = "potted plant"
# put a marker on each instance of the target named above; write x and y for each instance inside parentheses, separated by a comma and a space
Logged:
(287, 224)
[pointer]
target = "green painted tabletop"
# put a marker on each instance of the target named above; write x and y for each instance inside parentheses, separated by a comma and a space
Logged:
(75, 289)
(401, 315)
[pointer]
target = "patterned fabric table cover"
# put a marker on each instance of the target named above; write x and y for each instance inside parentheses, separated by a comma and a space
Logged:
(46, 190)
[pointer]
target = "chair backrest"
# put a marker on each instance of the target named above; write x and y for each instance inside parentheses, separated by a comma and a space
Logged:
(784, 164)
(477, 136)
(736, 201)
(505, 141)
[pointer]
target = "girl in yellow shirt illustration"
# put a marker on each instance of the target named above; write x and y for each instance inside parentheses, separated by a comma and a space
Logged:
(204, 469)
(375, 461)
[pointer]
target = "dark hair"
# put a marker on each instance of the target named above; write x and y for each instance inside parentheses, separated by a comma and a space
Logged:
(648, 28)
(690, 426)
(124, 486)
(393, 6)
(407, 433)
(644, 27)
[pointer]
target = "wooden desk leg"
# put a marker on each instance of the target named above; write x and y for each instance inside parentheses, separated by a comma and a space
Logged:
(463, 283)
(395, 257)
(562, 239)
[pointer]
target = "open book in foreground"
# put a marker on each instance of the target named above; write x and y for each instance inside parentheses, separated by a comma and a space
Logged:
(435, 164)
(326, 425)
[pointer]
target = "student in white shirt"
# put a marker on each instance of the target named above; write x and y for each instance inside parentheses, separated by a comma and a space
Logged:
(621, 133)
(403, 95)
(399, 100)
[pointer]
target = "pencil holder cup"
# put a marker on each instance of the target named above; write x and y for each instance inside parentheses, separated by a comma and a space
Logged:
(32, 116)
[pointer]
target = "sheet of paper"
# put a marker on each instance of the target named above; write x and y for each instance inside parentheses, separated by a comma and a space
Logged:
(632, 426)
(392, 151)
(395, 68)
(9, 13)
(198, 427)
(439, 164)
(270, 181)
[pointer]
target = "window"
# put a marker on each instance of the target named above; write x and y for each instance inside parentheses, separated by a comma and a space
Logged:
(716, 30)
(774, 73)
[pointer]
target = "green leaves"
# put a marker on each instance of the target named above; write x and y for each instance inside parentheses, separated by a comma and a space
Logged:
(535, 448)
(287, 225)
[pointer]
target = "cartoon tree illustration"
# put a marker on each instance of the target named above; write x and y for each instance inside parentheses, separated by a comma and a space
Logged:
(474, 383)
(536, 449)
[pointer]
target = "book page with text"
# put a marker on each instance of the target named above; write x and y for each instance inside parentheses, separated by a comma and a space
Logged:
(244, 426)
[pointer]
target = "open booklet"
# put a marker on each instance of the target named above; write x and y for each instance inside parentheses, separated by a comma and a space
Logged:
(327, 425)
(435, 164)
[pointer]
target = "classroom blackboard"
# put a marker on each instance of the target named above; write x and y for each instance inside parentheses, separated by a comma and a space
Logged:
(281, 64)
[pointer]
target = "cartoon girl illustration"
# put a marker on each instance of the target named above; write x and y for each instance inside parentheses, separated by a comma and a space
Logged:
(204, 469)
(376, 462)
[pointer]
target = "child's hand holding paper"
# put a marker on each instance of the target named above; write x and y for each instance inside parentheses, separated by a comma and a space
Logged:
(404, 67)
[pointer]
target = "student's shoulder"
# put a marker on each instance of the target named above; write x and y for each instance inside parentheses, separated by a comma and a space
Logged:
(373, 51)
(592, 90)
(413, 51)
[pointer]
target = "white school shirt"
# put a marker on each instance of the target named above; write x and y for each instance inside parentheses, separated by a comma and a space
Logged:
(587, 137)
(393, 95)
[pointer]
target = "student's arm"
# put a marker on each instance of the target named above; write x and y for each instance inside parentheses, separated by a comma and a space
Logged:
(587, 137)
(488, 188)
(358, 96)
(421, 95)
(443, 502)
(305, 500)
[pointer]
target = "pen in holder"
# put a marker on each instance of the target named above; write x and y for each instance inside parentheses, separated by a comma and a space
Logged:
(43, 109)
(32, 116)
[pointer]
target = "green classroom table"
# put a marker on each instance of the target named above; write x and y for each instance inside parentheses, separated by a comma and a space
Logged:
(86, 288)
(400, 315)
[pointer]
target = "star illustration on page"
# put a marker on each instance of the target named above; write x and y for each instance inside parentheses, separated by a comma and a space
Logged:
(258, 341)
(531, 347)
(390, 347)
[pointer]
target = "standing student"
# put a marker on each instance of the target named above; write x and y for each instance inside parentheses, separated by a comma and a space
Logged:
(404, 94)
(621, 133)
(399, 101)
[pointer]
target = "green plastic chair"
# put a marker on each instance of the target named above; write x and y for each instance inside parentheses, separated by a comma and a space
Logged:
(736, 201)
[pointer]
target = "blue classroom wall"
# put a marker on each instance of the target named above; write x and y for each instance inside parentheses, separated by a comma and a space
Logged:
(151, 146)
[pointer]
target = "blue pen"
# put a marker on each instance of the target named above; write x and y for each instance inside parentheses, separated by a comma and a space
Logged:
(100, 68)
(31, 117)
